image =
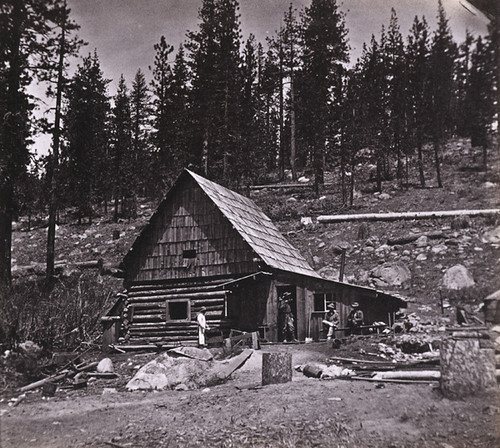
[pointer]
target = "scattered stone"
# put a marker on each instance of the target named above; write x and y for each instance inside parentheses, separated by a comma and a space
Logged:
(109, 391)
(439, 249)
(421, 257)
(384, 196)
(390, 274)
(306, 221)
(31, 349)
(493, 236)
(181, 387)
(457, 277)
(461, 222)
(105, 366)
(304, 179)
(422, 241)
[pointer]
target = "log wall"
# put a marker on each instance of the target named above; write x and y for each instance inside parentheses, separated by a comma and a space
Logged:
(145, 316)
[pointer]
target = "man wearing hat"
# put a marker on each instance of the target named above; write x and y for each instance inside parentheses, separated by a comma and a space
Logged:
(202, 326)
(331, 320)
(355, 319)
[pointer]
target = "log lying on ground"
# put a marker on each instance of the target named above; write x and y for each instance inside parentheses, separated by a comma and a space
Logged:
(410, 238)
(419, 375)
(405, 215)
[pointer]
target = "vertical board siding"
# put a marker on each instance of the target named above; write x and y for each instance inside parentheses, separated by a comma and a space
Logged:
(190, 221)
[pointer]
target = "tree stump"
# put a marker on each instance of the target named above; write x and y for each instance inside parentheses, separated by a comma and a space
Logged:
(276, 368)
(466, 367)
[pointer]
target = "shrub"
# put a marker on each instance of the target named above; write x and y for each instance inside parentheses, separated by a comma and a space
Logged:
(59, 315)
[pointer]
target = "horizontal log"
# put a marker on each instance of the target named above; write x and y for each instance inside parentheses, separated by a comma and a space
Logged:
(163, 334)
(162, 303)
(410, 238)
(164, 296)
(89, 264)
(281, 186)
(165, 339)
(207, 285)
(37, 384)
(405, 215)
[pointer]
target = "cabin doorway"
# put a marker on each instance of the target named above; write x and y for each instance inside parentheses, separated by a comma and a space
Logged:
(287, 313)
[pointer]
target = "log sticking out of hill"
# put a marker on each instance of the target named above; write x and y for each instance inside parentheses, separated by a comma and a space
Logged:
(405, 215)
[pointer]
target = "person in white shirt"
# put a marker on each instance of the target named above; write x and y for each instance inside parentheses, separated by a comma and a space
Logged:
(202, 326)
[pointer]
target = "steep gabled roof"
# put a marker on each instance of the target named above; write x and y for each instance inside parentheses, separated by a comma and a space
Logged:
(256, 228)
(250, 222)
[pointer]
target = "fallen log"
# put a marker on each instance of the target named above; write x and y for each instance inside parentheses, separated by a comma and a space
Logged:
(410, 238)
(405, 215)
(421, 375)
(359, 361)
(375, 380)
(37, 384)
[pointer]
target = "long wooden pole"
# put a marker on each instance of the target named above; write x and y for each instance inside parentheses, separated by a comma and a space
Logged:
(405, 215)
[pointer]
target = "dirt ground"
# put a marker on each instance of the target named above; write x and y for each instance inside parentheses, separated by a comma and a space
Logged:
(307, 412)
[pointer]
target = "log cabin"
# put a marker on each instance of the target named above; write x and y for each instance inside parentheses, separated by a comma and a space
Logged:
(208, 246)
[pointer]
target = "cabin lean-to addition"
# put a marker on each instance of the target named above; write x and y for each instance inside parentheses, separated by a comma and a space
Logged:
(209, 246)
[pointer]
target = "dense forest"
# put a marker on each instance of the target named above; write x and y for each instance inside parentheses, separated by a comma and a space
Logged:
(237, 112)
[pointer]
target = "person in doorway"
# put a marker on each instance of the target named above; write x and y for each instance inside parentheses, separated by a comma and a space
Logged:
(286, 317)
(355, 319)
(202, 326)
(331, 321)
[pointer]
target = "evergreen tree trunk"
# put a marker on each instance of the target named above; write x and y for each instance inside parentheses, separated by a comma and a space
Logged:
(293, 150)
(379, 175)
(437, 162)
(282, 112)
(420, 164)
(5, 233)
(53, 172)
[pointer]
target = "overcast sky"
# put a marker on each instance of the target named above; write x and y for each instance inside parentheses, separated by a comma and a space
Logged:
(124, 31)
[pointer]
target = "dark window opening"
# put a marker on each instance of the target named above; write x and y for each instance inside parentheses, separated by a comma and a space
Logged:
(321, 301)
(189, 253)
(178, 310)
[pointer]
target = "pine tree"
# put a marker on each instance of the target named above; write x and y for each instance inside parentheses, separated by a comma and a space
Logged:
(417, 68)
(443, 54)
(162, 105)
(140, 114)
(324, 52)
(24, 29)
(65, 44)
(214, 59)
(396, 90)
(87, 126)
(479, 102)
(123, 164)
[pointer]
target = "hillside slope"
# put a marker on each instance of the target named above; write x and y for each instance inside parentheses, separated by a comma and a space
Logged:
(473, 243)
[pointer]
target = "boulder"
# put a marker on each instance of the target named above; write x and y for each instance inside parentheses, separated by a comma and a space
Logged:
(105, 366)
(457, 277)
(31, 349)
(493, 236)
(167, 372)
(390, 274)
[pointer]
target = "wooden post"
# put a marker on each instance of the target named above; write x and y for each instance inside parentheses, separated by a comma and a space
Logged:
(276, 368)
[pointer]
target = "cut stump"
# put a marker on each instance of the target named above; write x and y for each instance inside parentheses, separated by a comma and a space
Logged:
(466, 367)
(276, 368)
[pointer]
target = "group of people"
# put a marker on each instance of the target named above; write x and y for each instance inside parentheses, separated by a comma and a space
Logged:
(355, 320)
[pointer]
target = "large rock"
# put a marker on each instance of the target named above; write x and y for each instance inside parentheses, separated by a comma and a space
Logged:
(105, 366)
(493, 236)
(167, 372)
(457, 277)
(390, 274)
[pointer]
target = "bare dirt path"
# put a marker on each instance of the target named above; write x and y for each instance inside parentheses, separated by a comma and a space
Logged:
(304, 413)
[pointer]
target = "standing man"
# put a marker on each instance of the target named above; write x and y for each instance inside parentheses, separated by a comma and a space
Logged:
(355, 319)
(331, 320)
(202, 326)
(285, 317)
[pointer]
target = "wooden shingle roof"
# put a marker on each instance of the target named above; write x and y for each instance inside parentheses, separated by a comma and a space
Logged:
(256, 228)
